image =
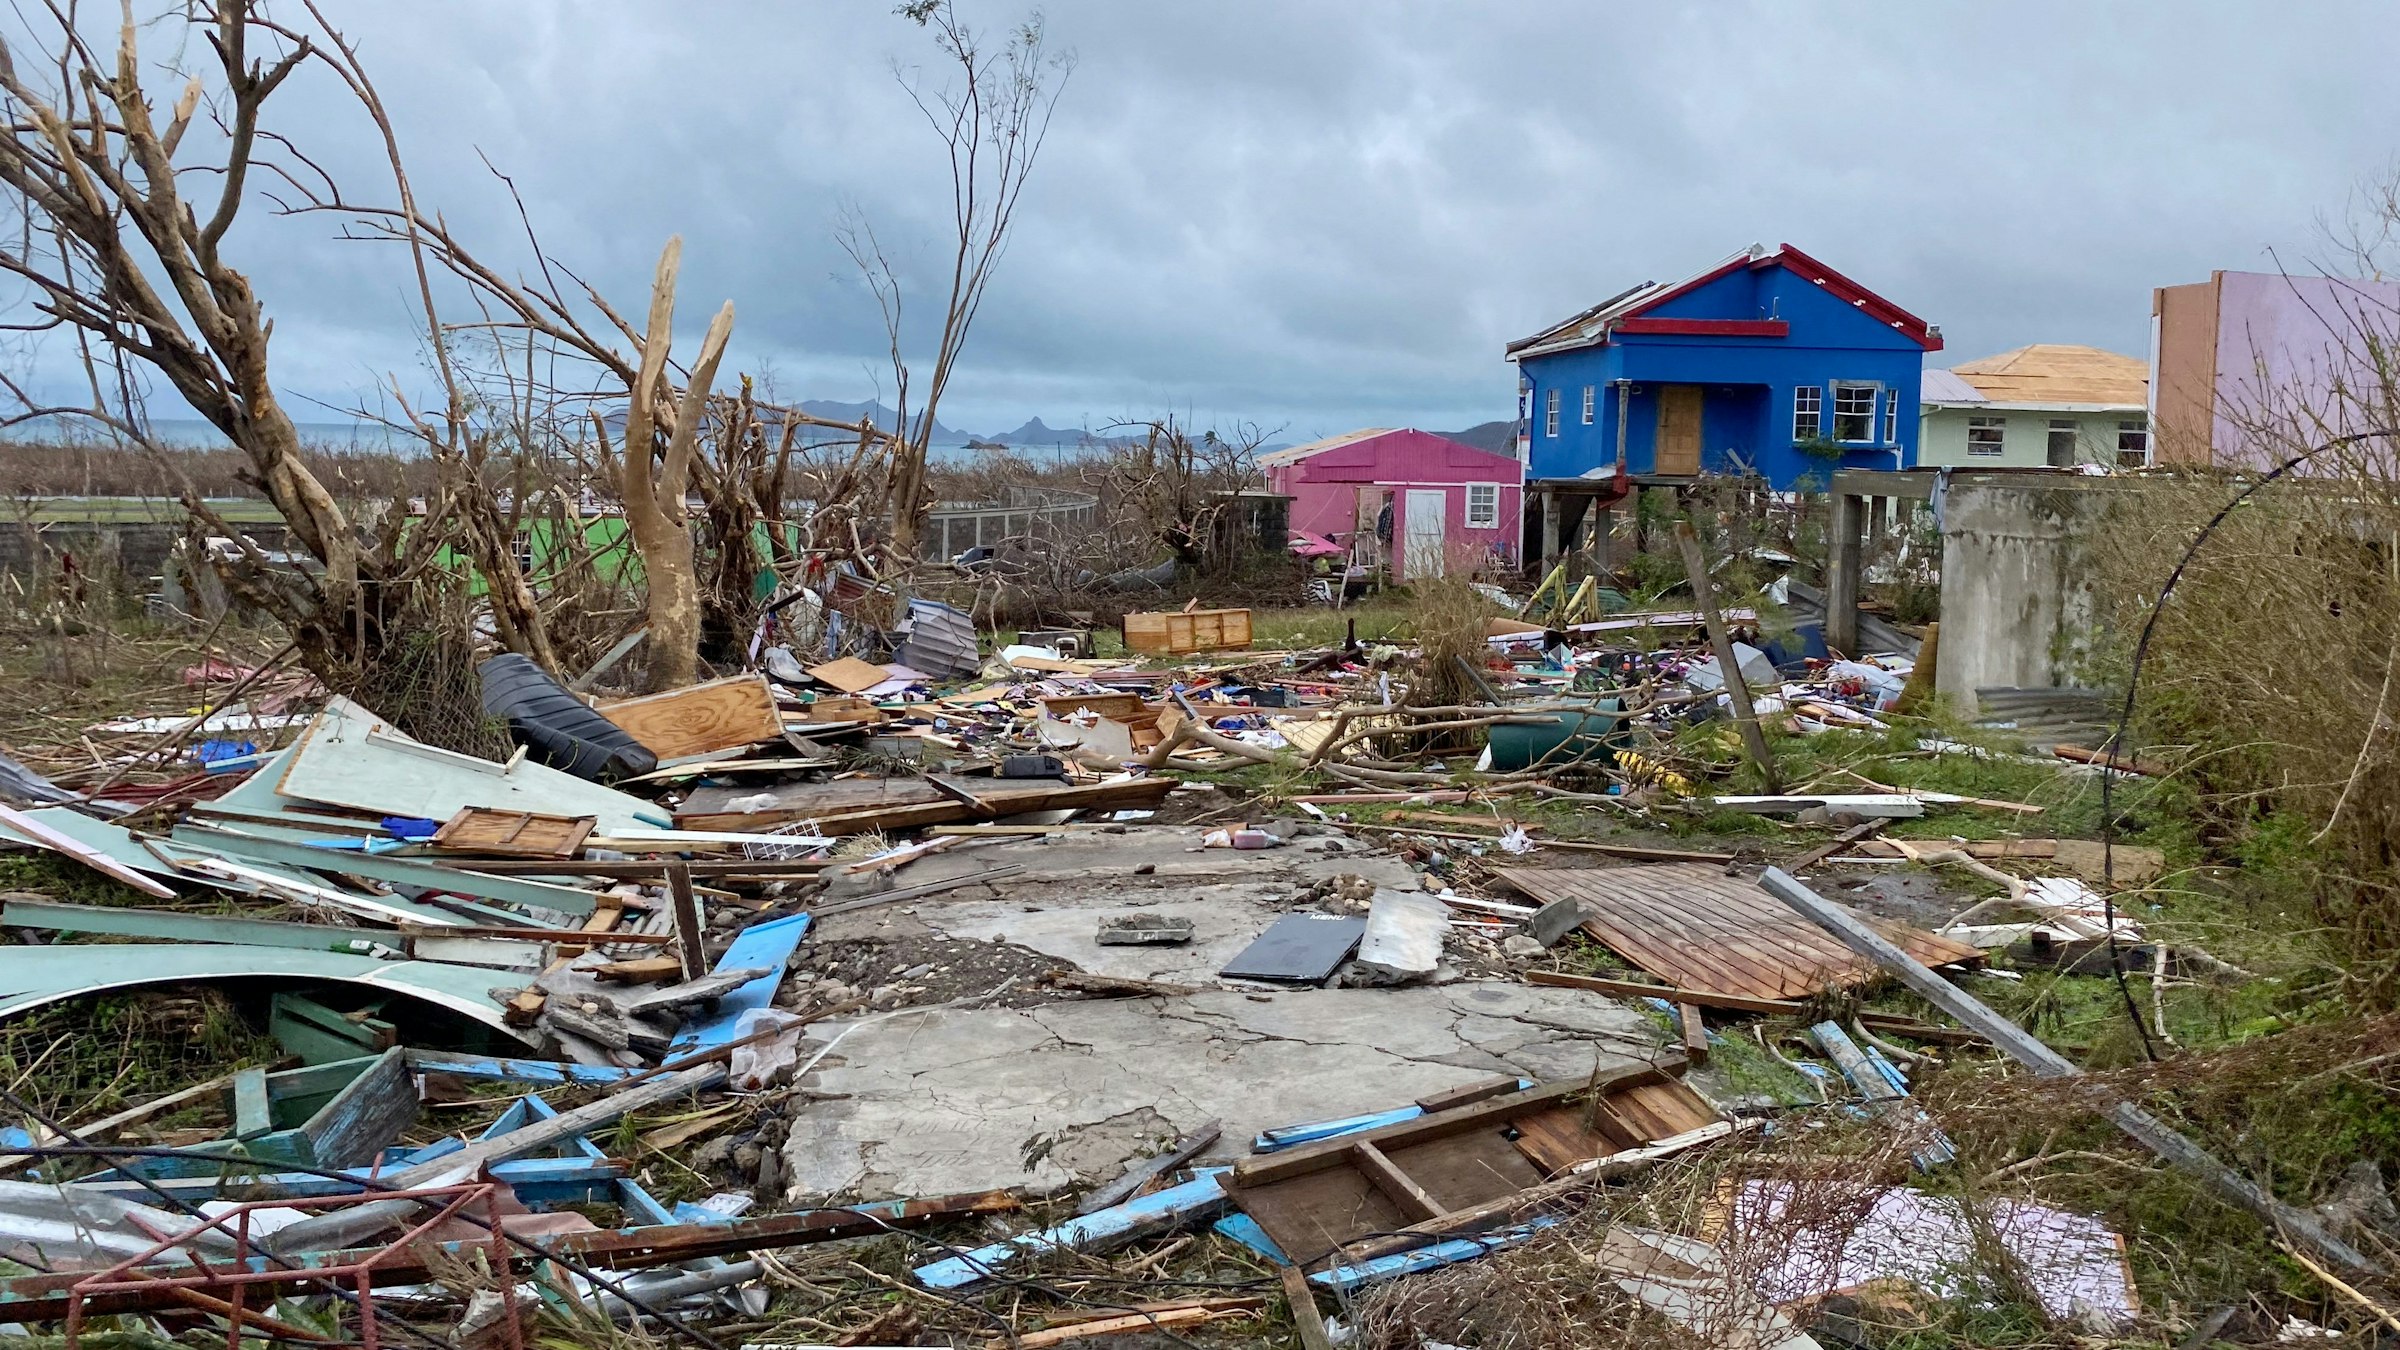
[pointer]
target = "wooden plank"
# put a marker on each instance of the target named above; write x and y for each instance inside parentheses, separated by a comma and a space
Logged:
(1557, 1139)
(1460, 1170)
(514, 834)
(701, 719)
(1636, 989)
(1117, 1192)
(2023, 1047)
(1306, 1158)
(1396, 1185)
(353, 1129)
(1704, 599)
(1695, 1032)
(1468, 1093)
(932, 808)
(1307, 1320)
(688, 930)
(252, 1114)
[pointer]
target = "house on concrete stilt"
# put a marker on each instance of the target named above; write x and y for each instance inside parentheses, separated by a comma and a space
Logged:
(1769, 365)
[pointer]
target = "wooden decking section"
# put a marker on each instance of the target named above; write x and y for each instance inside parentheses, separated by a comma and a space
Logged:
(1696, 928)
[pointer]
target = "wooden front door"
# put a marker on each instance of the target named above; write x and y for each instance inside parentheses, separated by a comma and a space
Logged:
(1678, 430)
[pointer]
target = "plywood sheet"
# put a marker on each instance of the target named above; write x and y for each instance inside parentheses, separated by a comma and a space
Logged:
(701, 719)
(1696, 928)
(849, 674)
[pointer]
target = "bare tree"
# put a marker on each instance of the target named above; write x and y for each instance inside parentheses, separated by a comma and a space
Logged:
(1175, 488)
(992, 121)
(119, 257)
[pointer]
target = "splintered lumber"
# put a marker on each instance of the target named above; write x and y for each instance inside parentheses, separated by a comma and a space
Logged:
(1121, 1324)
(1706, 933)
(917, 892)
(701, 719)
(2295, 1224)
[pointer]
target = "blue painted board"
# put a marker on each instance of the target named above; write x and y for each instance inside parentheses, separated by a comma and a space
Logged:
(1439, 1254)
(1139, 1217)
(762, 946)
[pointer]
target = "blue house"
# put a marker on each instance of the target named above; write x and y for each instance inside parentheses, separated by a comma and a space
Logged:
(1769, 363)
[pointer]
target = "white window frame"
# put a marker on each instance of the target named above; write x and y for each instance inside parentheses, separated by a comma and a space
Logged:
(2139, 458)
(1483, 515)
(1808, 412)
(1874, 393)
(1550, 413)
(1591, 402)
(1891, 417)
(1998, 445)
(2074, 431)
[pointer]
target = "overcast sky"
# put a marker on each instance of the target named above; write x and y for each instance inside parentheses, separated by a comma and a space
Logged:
(1317, 215)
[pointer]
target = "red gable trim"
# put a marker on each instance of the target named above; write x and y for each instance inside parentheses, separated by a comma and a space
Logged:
(1802, 265)
(1707, 327)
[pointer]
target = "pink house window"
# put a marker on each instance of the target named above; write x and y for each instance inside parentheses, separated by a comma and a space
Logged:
(1483, 506)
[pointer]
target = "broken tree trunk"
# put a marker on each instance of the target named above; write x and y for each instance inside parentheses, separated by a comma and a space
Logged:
(2149, 1131)
(654, 483)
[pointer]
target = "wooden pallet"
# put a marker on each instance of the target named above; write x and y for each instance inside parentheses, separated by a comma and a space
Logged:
(1696, 928)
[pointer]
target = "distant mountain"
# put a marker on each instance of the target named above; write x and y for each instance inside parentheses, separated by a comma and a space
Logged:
(834, 411)
(1498, 437)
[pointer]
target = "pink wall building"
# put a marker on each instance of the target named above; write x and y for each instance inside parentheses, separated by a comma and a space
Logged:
(1448, 501)
(2246, 353)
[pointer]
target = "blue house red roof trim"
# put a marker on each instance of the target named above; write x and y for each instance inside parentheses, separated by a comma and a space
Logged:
(1626, 312)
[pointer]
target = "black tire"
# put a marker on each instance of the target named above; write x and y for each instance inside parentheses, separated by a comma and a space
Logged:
(557, 728)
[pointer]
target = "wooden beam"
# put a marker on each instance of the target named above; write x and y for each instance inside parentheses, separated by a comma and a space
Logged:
(1636, 989)
(1306, 1319)
(1695, 1031)
(687, 921)
(2146, 1129)
(1842, 548)
(1398, 1186)
(1737, 689)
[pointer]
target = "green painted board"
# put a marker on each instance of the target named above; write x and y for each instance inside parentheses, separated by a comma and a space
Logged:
(34, 977)
(430, 876)
(251, 1116)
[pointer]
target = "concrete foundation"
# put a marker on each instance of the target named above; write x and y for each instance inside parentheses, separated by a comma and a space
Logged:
(1069, 1093)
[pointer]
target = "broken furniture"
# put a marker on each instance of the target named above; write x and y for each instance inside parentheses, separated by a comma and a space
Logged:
(1405, 1184)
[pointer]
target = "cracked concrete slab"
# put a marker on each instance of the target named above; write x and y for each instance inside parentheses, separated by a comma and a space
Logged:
(1068, 1093)
(1070, 881)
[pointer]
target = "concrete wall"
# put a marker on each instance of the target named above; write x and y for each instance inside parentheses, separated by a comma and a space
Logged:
(2016, 598)
(2025, 439)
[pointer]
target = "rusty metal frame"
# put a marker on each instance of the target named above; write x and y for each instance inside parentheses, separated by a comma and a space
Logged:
(225, 1290)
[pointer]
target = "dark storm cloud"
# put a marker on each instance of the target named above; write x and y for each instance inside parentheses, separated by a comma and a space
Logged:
(1318, 215)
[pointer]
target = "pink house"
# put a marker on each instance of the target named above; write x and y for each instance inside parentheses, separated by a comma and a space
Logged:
(1447, 502)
